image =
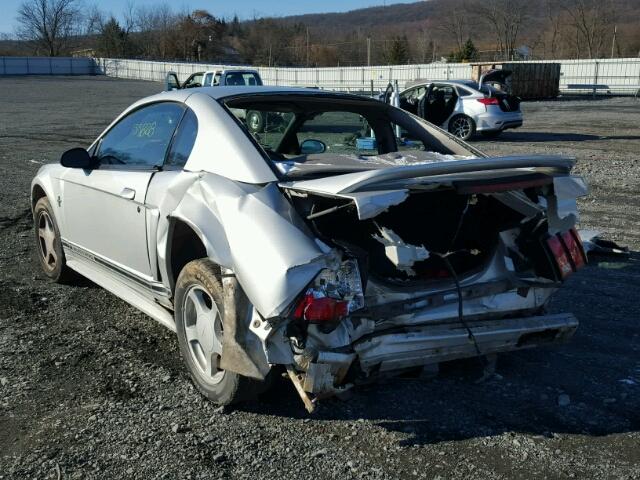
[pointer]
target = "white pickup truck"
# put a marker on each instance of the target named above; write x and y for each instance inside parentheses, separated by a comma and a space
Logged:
(214, 78)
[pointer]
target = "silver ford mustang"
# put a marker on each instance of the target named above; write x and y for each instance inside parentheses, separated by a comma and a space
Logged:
(346, 240)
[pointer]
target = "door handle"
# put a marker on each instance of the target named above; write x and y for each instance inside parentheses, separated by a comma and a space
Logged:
(128, 193)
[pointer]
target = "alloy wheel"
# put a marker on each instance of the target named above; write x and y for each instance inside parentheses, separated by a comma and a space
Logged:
(47, 240)
(203, 330)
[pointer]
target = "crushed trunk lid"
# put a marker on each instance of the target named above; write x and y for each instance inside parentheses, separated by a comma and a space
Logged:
(375, 189)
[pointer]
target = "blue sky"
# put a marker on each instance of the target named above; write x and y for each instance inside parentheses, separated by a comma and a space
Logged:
(243, 8)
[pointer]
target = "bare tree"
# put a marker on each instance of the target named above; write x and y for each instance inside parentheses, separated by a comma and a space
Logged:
(505, 17)
(592, 21)
(455, 24)
(49, 23)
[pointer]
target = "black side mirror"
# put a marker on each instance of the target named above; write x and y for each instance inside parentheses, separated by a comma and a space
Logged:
(77, 158)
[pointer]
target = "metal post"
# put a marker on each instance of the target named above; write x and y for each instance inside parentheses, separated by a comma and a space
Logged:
(368, 51)
(28, 66)
(595, 79)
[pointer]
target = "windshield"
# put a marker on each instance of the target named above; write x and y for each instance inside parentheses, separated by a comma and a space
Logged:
(242, 78)
(336, 133)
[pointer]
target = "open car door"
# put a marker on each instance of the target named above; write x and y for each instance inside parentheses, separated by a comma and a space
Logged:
(171, 82)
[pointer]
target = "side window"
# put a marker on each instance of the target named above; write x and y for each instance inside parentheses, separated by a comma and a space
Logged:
(463, 92)
(207, 79)
(142, 137)
(194, 81)
(216, 79)
(183, 141)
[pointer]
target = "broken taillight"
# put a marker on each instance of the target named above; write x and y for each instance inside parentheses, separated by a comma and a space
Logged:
(567, 251)
(321, 310)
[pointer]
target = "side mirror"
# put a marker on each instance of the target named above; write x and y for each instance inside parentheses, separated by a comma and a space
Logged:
(77, 158)
(311, 146)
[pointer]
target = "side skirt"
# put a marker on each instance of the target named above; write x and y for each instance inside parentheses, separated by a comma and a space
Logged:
(120, 286)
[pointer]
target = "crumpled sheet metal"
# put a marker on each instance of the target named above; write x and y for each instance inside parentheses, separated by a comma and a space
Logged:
(255, 232)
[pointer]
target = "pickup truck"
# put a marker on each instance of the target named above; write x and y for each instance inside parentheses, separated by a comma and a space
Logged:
(214, 78)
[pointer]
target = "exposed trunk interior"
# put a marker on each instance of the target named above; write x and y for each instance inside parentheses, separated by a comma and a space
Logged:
(442, 221)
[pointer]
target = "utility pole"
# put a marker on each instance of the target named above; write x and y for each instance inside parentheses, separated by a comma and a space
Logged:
(307, 46)
(269, 55)
(368, 51)
(613, 44)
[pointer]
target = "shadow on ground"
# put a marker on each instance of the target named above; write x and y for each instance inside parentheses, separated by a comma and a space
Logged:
(515, 136)
(599, 370)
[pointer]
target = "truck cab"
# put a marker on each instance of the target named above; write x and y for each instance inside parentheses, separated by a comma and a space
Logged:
(214, 78)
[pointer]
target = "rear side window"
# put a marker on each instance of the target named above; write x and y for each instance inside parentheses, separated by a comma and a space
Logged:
(183, 141)
(141, 138)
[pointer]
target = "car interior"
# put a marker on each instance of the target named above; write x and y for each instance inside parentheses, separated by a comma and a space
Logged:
(438, 104)
(352, 127)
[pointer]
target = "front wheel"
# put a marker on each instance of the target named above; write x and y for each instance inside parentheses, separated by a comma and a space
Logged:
(199, 316)
(48, 243)
(462, 127)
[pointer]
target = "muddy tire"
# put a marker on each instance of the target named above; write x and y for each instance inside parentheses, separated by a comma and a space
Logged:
(462, 127)
(199, 315)
(49, 245)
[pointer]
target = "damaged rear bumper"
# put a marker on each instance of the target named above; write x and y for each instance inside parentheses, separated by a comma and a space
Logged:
(438, 343)
(394, 351)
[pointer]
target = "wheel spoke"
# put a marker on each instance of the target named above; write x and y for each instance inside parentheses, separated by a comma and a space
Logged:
(191, 332)
(197, 298)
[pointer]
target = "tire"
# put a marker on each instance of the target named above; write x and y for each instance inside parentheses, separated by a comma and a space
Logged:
(199, 313)
(491, 134)
(255, 121)
(48, 243)
(462, 127)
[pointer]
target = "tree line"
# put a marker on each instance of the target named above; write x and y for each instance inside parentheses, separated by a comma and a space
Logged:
(456, 30)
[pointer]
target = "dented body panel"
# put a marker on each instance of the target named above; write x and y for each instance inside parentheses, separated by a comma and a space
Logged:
(339, 311)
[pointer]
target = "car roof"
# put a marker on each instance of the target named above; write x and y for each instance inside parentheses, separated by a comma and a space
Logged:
(464, 83)
(219, 93)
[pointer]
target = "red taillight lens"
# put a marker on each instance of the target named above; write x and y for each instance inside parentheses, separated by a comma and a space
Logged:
(489, 101)
(573, 245)
(321, 310)
(562, 259)
(568, 252)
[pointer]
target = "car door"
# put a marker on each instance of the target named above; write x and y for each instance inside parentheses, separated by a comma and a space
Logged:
(104, 208)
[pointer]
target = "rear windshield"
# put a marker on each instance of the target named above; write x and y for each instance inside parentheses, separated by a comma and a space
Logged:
(334, 133)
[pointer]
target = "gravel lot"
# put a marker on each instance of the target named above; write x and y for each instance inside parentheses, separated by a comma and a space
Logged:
(90, 388)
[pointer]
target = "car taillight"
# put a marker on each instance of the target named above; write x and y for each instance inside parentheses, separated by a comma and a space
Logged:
(321, 310)
(489, 101)
(333, 294)
(567, 251)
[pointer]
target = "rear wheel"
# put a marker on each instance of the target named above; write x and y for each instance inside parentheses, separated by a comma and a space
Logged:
(462, 127)
(199, 315)
(48, 243)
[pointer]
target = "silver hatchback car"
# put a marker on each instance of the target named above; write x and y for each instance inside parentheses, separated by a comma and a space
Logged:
(323, 247)
(465, 107)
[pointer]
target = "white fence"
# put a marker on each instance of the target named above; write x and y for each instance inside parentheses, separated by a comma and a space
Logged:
(616, 76)
(47, 66)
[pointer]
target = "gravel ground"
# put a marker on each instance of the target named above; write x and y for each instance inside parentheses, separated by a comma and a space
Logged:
(90, 388)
